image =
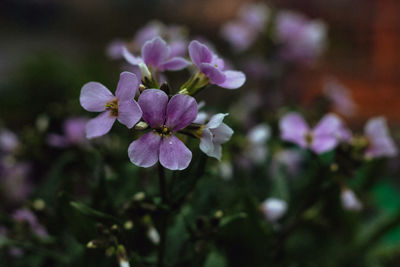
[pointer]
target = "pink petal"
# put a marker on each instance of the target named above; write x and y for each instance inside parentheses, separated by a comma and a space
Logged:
(127, 86)
(199, 53)
(324, 143)
(233, 79)
(176, 63)
(293, 129)
(144, 151)
(155, 52)
(153, 103)
(130, 57)
(181, 111)
(216, 76)
(174, 155)
(129, 113)
(94, 96)
(329, 125)
(100, 125)
(381, 143)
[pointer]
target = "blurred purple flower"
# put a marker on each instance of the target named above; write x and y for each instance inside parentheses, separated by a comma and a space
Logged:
(9, 142)
(14, 180)
(165, 118)
(214, 134)
(324, 136)
(242, 32)
(273, 209)
(380, 143)
(26, 216)
(156, 54)
(213, 67)
(74, 133)
(340, 97)
(287, 159)
(303, 40)
(96, 97)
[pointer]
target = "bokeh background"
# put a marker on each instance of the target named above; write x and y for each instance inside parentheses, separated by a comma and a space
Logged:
(50, 48)
(55, 38)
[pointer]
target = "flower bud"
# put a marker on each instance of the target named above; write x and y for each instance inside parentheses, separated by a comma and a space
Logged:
(144, 71)
(350, 201)
(273, 209)
(141, 125)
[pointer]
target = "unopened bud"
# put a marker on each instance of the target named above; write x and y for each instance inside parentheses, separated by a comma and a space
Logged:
(153, 235)
(91, 244)
(273, 209)
(144, 71)
(39, 204)
(139, 196)
(141, 88)
(128, 225)
(141, 126)
(218, 214)
(350, 200)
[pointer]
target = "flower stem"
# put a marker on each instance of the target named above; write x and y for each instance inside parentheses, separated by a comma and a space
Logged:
(164, 216)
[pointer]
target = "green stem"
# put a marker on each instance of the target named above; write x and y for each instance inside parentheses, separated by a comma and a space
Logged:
(164, 217)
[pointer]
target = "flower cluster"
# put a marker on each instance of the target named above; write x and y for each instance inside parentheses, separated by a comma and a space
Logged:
(165, 115)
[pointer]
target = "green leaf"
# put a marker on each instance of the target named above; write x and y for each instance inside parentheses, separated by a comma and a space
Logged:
(95, 214)
(228, 219)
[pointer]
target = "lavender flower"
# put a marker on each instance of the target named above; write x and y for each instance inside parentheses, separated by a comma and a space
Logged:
(26, 216)
(340, 97)
(288, 160)
(303, 40)
(273, 209)
(322, 138)
(242, 32)
(74, 133)
(213, 67)
(380, 143)
(9, 142)
(156, 55)
(165, 118)
(96, 97)
(15, 186)
(214, 134)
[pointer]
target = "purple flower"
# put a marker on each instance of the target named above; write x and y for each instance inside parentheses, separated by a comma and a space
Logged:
(242, 32)
(156, 54)
(324, 136)
(9, 142)
(303, 40)
(15, 186)
(239, 35)
(74, 133)
(165, 118)
(26, 216)
(213, 67)
(96, 97)
(289, 160)
(340, 97)
(214, 134)
(380, 143)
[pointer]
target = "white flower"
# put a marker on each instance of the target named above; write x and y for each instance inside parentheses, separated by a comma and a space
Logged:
(214, 134)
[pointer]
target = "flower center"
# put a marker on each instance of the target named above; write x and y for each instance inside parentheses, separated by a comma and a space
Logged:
(309, 138)
(163, 131)
(112, 106)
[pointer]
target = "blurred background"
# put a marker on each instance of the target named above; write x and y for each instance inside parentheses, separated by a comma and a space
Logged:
(52, 40)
